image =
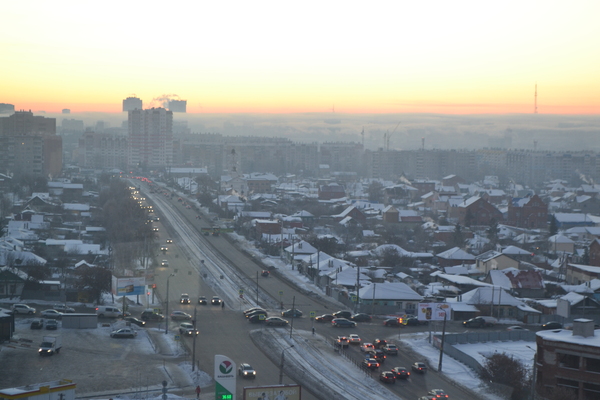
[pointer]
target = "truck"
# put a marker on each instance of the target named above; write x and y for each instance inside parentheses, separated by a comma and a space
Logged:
(50, 345)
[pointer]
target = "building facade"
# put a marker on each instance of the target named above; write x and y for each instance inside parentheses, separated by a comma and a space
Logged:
(150, 136)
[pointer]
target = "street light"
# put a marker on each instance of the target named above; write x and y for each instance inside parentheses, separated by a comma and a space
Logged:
(281, 364)
(533, 372)
(167, 314)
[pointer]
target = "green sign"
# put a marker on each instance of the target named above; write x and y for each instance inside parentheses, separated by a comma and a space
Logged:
(281, 292)
(312, 314)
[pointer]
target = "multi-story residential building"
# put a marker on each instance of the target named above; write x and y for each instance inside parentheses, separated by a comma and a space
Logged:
(528, 212)
(342, 156)
(150, 138)
(132, 103)
(103, 150)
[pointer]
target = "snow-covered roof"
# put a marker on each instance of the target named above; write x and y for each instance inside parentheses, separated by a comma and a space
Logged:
(567, 336)
(389, 291)
(462, 280)
(514, 250)
(456, 253)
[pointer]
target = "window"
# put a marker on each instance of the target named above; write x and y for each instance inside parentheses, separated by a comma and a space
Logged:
(592, 364)
(568, 361)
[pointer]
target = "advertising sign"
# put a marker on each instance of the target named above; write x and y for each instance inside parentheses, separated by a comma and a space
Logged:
(433, 311)
(279, 392)
(225, 377)
(128, 286)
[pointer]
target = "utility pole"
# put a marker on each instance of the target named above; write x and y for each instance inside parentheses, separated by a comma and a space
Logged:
(194, 342)
(442, 344)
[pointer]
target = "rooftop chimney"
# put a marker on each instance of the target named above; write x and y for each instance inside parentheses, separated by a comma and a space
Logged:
(583, 327)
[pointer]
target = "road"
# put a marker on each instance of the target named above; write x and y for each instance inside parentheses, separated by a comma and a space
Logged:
(201, 268)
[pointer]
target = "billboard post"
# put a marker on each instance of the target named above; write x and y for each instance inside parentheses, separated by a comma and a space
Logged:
(225, 378)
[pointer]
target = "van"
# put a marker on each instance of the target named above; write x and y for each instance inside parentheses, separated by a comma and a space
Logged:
(108, 312)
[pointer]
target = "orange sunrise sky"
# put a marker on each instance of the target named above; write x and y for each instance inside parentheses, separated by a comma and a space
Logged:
(460, 57)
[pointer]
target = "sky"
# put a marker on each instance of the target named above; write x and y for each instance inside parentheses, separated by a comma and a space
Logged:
(460, 57)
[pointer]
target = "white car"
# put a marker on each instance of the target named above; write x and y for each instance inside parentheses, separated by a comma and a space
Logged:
(516, 328)
(164, 263)
(52, 314)
(63, 308)
(366, 347)
(180, 315)
(22, 309)
(123, 333)
(354, 338)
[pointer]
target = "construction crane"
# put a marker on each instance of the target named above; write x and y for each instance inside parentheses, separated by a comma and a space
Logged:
(387, 136)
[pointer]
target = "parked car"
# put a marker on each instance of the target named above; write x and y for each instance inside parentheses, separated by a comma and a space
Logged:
(246, 371)
(295, 313)
(419, 367)
(123, 333)
(108, 312)
(391, 322)
(135, 321)
(63, 308)
(552, 325)
(22, 309)
(202, 300)
(380, 343)
(216, 301)
(150, 315)
(366, 347)
(187, 329)
(437, 394)
(37, 324)
(516, 328)
(370, 363)
(361, 317)
(354, 339)
(387, 377)
(276, 321)
(401, 372)
(325, 318)
(175, 315)
(391, 349)
(343, 314)
(51, 325)
(342, 341)
(184, 298)
(51, 314)
(343, 323)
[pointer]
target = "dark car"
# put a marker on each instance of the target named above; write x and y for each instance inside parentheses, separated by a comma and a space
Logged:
(202, 300)
(135, 321)
(361, 317)
(37, 324)
(419, 367)
(476, 322)
(391, 349)
(51, 325)
(401, 372)
(391, 322)
(437, 394)
(370, 363)
(216, 301)
(377, 354)
(552, 325)
(276, 321)
(380, 343)
(295, 313)
(387, 377)
(343, 314)
(150, 315)
(185, 298)
(257, 318)
(325, 318)
(342, 323)
(413, 321)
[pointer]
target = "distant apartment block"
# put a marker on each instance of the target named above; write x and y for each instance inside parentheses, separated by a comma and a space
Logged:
(102, 150)
(178, 105)
(72, 126)
(132, 103)
(150, 137)
(7, 108)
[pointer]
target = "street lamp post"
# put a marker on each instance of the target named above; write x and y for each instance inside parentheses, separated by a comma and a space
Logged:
(533, 383)
(167, 313)
(281, 364)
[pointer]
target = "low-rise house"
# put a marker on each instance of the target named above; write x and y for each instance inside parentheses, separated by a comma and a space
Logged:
(528, 212)
(561, 244)
(389, 297)
(521, 283)
(475, 211)
(463, 283)
(12, 282)
(455, 256)
(578, 273)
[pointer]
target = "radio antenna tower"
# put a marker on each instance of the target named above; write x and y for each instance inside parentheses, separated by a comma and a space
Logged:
(535, 100)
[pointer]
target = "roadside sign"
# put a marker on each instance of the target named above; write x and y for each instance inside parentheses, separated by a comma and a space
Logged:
(281, 292)
(313, 314)
(241, 291)
(177, 337)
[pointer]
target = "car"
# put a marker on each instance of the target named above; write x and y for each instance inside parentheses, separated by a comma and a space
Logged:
(377, 354)
(387, 377)
(251, 310)
(419, 367)
(150, 315)
(380, 343)
(276, 321)
(123, 333)
(480, 322)
(516, 328)
(246, 371)
(257, 318)
(51, 325)
(164, 248)
(63, 308)
(180, 315)
(391, 322)
(361, 317)
(155, 229)
(216, 301)
(366, 347)
(135, 321)
(37, 324)
(413, 321)
(164, 263)
(342, 323)
(401, 372)
(169, 240)
(257, 312)
(370, 363)
(51, 314)
(22, 309)
(202, 300)
(187, 329)
(390, 349)
(342, 341)
(437, 394)
(354, 339)
(184, 298)
(157, 218)
(295, 313)
(343, 314)
(325, 318)
(552, 325)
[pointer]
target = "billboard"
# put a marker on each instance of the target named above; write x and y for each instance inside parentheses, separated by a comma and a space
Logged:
(128, 286)
(225, 378)
(433, 311)
(279, 392)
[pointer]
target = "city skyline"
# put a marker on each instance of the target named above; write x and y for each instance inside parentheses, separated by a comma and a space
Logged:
(464, 57)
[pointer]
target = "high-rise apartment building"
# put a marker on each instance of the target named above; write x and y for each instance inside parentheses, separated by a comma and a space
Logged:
(132, 103)
(150, 136)
(178, 105)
